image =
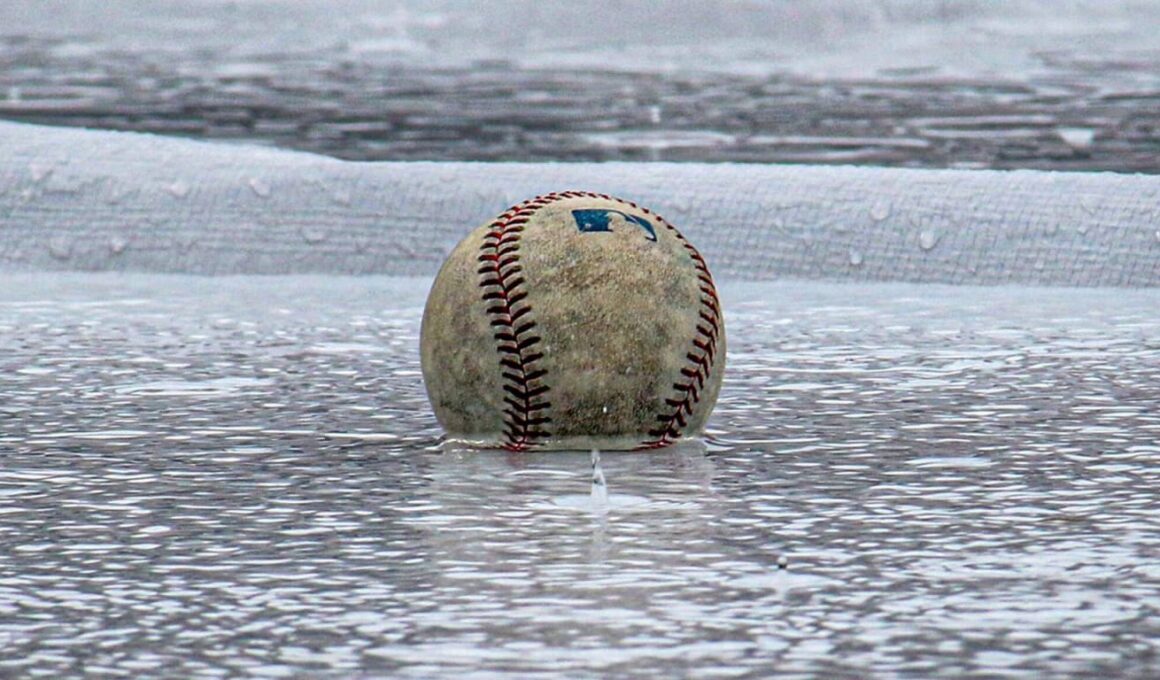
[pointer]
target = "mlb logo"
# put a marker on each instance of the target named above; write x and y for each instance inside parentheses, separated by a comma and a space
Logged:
(599, 219)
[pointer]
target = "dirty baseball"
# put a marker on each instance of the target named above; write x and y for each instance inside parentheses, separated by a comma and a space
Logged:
(573, 320)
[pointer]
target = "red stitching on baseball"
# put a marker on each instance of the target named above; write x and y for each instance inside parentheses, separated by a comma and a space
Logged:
(501, 279)
(701, 359)
(499, 255)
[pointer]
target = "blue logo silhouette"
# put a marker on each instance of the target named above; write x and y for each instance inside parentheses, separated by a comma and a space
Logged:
(599, 219)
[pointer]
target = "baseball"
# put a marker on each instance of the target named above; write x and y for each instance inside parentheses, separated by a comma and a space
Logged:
(574, 320)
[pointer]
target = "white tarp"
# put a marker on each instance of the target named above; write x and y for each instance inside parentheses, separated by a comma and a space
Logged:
(75, 199)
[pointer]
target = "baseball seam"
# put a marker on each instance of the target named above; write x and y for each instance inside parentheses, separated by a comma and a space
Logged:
(525, 418)
(513, 329)
(700, 358)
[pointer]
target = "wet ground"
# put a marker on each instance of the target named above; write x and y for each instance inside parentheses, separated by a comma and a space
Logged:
(213, 477)
(499, 111)
(241, 477)
(877, 83)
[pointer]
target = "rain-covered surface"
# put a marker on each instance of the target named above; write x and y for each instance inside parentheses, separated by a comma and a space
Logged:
(957, 83)
(206, 477)
(240, 476)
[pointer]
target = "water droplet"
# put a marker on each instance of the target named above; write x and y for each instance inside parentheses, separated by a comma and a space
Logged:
(60, 247)
(599, 486)
(259, 187)
(313, 234)
(782, 562)
(654, 114)
(116, 195)
(179, 189)
(855, 257)
(1077, 138)
(117, 245)
(39, 171)
(927, 239)
(880, 210)
(1157, 234)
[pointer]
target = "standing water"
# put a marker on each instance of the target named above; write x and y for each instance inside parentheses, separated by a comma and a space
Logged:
(216, 477)
(208, 478)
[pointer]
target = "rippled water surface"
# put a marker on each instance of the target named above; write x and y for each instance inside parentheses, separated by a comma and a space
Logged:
(215, 477)
(955, 83)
